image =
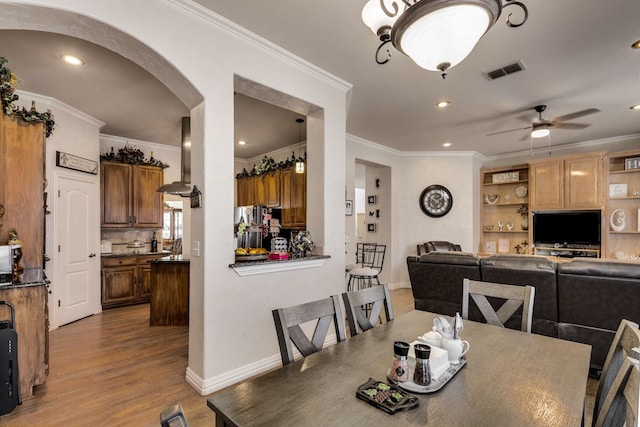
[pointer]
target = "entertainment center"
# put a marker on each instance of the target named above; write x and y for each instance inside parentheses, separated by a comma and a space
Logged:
(586, 205)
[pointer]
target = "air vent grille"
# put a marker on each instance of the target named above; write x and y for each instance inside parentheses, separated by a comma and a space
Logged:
(504, 71)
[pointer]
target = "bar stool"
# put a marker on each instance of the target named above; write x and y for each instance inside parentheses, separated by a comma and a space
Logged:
(372, 260)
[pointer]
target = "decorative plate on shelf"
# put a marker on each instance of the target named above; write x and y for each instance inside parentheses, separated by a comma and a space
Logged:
(521, 191)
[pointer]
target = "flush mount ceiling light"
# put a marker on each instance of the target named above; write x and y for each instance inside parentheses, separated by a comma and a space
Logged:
(436, 34)
(242, 142)
(73, 60)
(635, 107)
(443, 104)
(636, 45)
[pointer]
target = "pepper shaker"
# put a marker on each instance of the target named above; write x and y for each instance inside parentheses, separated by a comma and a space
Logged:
(399, 366)
(422, 371)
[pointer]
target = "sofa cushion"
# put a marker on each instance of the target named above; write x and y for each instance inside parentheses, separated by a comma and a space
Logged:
(598, 294)
(599, 339)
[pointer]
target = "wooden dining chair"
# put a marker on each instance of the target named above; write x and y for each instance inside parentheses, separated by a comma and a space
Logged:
(288, 320)
(515, 296)
(364, 307)
(621, 404)
(627, 339)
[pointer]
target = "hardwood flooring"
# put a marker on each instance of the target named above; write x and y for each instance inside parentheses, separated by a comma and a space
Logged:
(114, 369)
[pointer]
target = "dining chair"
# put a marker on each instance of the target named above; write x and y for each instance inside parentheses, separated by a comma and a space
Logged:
(627, 339)
(515, 296)
(621, 404)
(360, 249)
(372, 262)
(288, 320)
(364, 307)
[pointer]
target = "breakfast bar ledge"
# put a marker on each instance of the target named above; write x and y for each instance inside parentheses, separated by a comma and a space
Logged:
(274, 266)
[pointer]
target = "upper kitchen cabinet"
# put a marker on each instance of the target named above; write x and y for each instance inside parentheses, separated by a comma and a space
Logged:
(573, 182)
(129, 196)
(22, 183)
(293, 190)
(261, 189)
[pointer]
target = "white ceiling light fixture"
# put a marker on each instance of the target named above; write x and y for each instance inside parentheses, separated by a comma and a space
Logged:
(443, 104)
(540, 131)
(241, 142)
(635, 107)
(436, 34)
(73, 60)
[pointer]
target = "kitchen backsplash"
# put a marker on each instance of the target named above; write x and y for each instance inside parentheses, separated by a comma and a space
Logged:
(120, 239)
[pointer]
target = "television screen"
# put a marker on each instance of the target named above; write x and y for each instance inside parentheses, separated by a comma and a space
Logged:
(570, 227)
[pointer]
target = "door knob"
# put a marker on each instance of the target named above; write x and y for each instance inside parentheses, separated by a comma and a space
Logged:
(92, 255)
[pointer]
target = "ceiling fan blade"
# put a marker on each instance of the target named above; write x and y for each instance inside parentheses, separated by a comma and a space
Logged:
(571, 125)
(510, 130)
(575, 115)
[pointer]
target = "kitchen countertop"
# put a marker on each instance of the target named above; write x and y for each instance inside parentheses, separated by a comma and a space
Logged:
(30, 277)
(180, 259)
(123, 254)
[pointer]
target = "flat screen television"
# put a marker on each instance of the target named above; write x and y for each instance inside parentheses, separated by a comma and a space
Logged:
(567, 227)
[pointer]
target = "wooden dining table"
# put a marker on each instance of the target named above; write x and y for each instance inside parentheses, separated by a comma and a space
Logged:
(511, 378)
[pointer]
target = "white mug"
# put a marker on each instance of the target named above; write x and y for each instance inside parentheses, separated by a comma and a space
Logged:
(455, 348)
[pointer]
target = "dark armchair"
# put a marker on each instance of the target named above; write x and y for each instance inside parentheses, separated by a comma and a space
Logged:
(437, 245)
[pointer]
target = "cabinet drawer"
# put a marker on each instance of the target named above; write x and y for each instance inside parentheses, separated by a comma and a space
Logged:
(119, 262)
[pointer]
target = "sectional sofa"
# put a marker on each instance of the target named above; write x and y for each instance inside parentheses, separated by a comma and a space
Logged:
(580, 300)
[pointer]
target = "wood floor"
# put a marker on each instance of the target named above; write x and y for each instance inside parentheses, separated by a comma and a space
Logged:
(113, 369)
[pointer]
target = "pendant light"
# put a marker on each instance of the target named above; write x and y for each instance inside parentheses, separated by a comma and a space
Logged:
(299, 162)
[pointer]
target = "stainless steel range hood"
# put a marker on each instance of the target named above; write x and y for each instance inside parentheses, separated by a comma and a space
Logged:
(183, 187)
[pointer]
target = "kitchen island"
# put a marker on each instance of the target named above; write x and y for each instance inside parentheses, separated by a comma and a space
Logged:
(169, 291)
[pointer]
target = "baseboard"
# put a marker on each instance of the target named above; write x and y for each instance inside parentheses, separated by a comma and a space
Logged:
(399, 285)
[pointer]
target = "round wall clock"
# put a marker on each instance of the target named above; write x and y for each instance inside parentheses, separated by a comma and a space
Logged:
(436, 201)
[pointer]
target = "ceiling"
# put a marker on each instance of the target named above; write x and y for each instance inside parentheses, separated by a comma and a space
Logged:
(577, 55)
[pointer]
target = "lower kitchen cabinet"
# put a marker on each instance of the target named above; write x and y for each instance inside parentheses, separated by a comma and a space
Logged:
(126, 280)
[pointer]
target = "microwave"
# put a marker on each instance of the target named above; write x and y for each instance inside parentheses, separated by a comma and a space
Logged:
(7, 259)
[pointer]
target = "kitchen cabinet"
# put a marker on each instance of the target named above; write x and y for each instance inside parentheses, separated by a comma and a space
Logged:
(574, 182)
(22, 183)
(170, 292)
(293, 197)
(126, 280)
(504, 192)
(261, 189)
(623, 200)
(129, 196)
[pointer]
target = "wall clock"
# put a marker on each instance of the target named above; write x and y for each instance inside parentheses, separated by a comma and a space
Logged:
(436, 201)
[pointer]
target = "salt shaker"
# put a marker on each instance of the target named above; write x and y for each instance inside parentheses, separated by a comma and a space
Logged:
(422, 371)
(399, 368)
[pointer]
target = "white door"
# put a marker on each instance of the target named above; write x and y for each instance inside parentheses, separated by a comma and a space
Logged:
(77, 289)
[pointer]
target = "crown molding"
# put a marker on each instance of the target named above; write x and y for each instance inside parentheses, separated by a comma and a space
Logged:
(54, 104)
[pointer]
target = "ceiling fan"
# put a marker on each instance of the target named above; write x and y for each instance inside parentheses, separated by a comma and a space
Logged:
(540, 127)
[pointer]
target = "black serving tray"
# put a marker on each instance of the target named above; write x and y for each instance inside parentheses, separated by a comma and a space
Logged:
(388, 397)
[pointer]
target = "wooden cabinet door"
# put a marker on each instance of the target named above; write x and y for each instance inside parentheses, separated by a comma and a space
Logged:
(242, 192)
(272, 189)
(583, 182)
(115, 188)
(286, 189)
(259, 195)
(299, 199)
(147, 202)
(144, 276)
(118, 285)
(547, 185)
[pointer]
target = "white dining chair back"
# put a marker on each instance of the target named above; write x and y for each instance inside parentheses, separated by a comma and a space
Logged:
(627, 338)
(515, 297)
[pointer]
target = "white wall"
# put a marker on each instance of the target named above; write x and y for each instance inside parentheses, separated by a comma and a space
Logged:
(227, 311)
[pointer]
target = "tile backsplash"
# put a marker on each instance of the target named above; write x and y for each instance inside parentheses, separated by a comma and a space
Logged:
(120, 238)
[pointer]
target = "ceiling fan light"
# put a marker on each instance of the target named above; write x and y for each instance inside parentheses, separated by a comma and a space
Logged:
(444, 35)
(376, 19)
(635, 107)
(540, 132)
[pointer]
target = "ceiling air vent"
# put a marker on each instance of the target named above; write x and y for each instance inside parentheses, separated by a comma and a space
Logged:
(507, 69)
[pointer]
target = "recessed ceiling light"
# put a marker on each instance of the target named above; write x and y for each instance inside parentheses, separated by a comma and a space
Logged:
(443, 104)
(73, 60)
(446, 144)
(242, 142)
(636, 45)
(635, 107)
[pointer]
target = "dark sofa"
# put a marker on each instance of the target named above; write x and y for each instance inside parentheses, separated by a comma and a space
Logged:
(581, 300)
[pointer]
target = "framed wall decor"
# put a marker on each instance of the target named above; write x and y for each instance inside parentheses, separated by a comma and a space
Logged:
(348, 207)
(371, 227)
(69, 161)
(372, 200)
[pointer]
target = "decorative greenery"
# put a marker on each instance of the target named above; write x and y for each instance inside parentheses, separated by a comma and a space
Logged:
(133, 156)
(302, 242)
(8, 83)
(523, 210)
(267, 164)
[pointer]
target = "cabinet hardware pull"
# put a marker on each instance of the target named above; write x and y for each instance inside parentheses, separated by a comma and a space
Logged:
(1, 210)
(92, 255)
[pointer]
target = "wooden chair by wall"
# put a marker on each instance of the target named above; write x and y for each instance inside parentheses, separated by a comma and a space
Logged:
(374, 299)
(288, 320)
(627, 338)
(621, 404)
(515, 296)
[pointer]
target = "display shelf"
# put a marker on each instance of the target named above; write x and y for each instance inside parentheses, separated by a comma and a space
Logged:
(625, 241)
(522, 181)
(566, 252)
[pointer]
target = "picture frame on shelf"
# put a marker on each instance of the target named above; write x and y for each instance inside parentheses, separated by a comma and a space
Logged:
(503, 246)
(490, 247)
(348, 207)
(617, 190)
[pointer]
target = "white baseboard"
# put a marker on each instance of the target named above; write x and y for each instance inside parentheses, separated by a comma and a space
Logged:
(399, 285)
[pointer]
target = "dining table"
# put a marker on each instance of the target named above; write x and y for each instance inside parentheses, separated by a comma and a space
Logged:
(510, 378)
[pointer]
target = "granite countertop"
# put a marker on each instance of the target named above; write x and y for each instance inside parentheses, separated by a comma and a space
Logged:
(29, 277)
(123, 254)
(273, 261)
(180, 259)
